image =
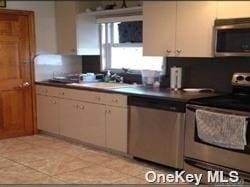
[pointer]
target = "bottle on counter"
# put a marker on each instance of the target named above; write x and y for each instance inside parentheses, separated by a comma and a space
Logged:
(107, 76)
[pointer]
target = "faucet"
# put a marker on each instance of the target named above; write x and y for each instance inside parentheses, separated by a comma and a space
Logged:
(116, 78)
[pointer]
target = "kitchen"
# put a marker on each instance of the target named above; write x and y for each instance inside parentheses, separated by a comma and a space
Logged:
(116, 89)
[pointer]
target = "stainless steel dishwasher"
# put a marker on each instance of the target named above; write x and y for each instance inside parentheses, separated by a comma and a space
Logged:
(156, 130)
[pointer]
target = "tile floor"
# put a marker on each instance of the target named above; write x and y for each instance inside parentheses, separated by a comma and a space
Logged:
(42, 159)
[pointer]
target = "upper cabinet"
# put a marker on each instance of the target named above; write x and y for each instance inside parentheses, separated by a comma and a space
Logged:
(159, 20)
(194, 28)
(76, 34)
(233, 9)
(178, 28)
(87, 35)
(66, 12)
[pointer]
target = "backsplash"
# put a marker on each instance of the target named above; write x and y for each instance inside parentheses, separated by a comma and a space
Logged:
(46, 65)
(213, 73)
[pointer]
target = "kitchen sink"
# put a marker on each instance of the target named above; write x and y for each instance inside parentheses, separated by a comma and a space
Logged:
(102, 85)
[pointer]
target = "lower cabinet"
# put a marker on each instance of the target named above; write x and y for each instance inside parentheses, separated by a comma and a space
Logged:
(116, 128)
(70, 117)
(82, 121)
(48, 113)
(94, 123)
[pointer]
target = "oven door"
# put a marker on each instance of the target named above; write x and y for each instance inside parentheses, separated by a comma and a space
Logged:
(199, 150)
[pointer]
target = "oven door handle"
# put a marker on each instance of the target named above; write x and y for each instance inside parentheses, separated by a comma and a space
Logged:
(193, 109)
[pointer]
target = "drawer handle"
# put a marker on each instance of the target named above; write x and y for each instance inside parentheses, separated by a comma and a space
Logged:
(82, 107)
(98, 98)
(115, 100)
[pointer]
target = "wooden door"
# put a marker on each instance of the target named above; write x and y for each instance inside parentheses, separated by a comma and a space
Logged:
(16, 95)
(194, 30)
(116, 128)
(159, 21)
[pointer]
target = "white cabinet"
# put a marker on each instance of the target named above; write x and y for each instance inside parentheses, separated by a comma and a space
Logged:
(233, 9)
(75, 34)
(182, 28)
(116, 128)
(159, 20)
(87, 35)
(94, 124)
(48, 113)
(70, 116)
(66, 26)
(91, 117)
(83, 121)
(194, 29)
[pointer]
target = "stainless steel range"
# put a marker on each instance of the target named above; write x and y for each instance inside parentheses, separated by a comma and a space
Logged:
(201, 154)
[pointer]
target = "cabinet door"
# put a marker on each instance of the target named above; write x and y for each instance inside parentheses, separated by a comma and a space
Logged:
(116, 128)
(94, 124)
(233, 9)
(159, 21)
(70, 119)
(194, 31)
(48, 114)
(87, 35)
(66, 26)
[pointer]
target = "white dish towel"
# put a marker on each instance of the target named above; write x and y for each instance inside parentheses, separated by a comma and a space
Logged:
(224, 130)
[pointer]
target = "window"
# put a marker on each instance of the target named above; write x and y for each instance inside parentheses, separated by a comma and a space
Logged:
(122, 48)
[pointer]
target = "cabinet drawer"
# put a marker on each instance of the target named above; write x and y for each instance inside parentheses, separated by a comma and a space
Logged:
(116, 100)
(49, 91)
(82, 95)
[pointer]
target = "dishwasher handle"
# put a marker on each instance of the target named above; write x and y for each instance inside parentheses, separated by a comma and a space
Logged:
(162, 104)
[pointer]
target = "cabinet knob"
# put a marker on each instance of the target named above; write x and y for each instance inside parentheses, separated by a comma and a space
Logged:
(108, 111)
(98, 98)
(54, 102)
(178, 52)
(168, 52)
(82, 107)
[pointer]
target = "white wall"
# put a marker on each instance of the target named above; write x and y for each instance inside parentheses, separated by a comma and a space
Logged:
(44, 22)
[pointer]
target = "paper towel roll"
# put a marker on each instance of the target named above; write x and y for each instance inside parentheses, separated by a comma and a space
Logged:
(175, 78)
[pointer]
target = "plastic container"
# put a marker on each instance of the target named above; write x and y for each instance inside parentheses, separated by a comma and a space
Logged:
(150, 77)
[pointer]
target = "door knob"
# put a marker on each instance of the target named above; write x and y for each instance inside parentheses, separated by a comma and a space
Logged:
(26, 84)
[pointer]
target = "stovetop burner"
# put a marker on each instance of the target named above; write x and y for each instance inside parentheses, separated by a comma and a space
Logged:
(239, 99)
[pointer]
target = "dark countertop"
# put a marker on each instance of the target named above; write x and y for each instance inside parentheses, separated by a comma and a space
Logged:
(158, 93)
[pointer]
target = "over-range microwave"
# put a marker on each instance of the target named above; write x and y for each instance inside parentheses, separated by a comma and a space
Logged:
(232, 37)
